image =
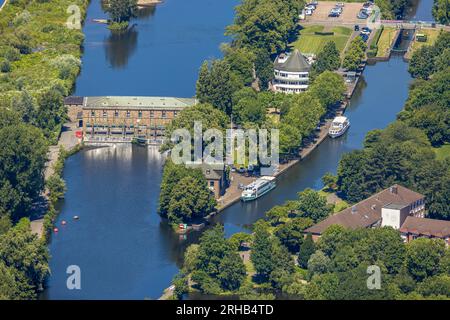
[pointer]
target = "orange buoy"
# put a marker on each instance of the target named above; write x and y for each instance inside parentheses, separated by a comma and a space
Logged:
(63, 222)
(55, 230)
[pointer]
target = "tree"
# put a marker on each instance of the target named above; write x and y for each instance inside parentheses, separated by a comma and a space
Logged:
(232, 271)
(181, 286)
(215, 85)
(313, 205)
(329, 181)
(27, 259)
(25, 106)
(8, 286)
(213, 248)
(423, 257)
(355, 54)
(173, 201)
(276, 214)
(420, 66)
(23, 152)
(441, 11)
(328, 59)
(191, 258)
(241, 62)
(307, 248)
(438, 285)
(290, 233)
(261, 254)
(51, 111)
(237, 240)
(198, 202)
(329, 88)
(121, 10)
(318, 263)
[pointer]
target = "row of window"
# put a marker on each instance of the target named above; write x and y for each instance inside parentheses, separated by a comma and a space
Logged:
(285, 75)
(128, 114)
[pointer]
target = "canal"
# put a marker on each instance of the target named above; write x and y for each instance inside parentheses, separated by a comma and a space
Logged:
(123, 248)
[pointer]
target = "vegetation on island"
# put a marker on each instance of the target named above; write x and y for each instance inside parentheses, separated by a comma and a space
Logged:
(184, 194)
(120, 12)
(39, 61)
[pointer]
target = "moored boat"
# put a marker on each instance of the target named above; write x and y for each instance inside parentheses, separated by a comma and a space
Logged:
(258, 188)
(338, 126)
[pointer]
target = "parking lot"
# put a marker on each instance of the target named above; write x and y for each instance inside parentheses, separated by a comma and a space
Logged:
(348, 15)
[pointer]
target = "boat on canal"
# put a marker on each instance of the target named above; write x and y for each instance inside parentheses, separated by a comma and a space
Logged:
(258, 188)
(338, 126)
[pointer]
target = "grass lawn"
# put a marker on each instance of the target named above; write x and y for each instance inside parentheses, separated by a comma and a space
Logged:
(432, 35)
(308, 42)
(385, 41)
(442, 152)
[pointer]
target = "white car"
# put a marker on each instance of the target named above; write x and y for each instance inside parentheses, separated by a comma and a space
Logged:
(340, 4)
(310, 7)
(308, 12)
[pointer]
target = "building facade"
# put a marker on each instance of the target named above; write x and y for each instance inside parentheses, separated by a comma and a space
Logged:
(122, 119)
(215, 175)
(390, 207)
(291, 73)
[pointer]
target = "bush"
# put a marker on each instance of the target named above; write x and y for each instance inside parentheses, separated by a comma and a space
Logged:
(5, 66)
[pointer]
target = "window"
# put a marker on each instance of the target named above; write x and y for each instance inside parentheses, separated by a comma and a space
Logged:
(152, 114)
(128, 114)
(164, 115)
(211, 183)
(175, 113)
(140, 114)
(92, 113)
(116, 114)
(105, 114)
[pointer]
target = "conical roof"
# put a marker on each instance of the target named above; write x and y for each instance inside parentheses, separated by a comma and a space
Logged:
(295, 62)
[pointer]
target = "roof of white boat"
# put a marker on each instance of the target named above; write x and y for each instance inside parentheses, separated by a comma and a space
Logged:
(260, 181)
(340, 119)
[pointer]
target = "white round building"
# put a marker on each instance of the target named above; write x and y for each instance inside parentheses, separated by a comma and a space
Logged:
(291, 71)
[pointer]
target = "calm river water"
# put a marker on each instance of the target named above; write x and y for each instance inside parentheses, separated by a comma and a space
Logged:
(124, 249)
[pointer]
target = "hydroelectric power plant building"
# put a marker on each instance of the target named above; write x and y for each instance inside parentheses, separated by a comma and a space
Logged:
(122, 119)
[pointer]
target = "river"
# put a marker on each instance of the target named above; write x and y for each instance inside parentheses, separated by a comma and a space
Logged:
(123, 248)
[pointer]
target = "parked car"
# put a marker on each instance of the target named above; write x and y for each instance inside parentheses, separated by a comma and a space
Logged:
(314, 2)
(338, 9)
(362, 14)
(365, 37)
(310, 7)
(340, 4)
(356, 27)
(308, 12)
(366, 30)
(334, 14)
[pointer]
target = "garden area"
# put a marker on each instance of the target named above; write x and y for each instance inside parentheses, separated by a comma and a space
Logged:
(431, 34)
(312, 39)
(385, 41)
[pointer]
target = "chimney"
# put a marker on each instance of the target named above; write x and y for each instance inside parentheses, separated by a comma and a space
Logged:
(354, 209)
(393, 189)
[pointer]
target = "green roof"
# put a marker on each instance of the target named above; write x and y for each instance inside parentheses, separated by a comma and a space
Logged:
(138, 102)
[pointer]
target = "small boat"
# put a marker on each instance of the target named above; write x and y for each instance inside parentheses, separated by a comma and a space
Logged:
(76, 217)
(258, 188)
(338, 126)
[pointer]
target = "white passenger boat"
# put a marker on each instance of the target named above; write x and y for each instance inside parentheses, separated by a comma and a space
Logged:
(258, 188)
(338, 126)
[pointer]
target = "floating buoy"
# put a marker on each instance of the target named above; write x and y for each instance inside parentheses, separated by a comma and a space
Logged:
(63, 222)
(55, 230)
(76, 217)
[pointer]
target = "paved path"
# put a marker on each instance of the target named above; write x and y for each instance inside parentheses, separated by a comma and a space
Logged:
(3, 5)
(68, 140)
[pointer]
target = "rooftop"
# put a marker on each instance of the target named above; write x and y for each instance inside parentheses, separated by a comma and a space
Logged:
(211, 171)
(424, 226)
(367, 212)
(295, 62)
(138, 102)
(395, 206)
